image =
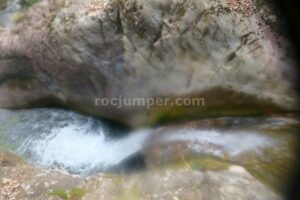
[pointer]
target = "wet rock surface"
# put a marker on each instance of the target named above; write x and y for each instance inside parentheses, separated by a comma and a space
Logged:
(82, 50)
(225, 158)
(21, 181)
(264, 146)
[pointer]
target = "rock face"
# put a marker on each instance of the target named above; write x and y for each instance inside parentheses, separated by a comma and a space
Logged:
(71, 52)
(21, 181)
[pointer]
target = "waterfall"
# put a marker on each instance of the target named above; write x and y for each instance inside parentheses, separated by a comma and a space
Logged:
(62, 139)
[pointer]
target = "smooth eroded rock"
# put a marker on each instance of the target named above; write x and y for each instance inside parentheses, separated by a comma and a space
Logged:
(82, 50)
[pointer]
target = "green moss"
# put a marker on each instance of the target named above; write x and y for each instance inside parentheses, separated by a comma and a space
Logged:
(28, 3)
(181, 10)
(210, 164)
(277, 167)
(61, 193)
(275, 173)
(72, 194)
(203, 163)
(76, 194)
(130, 194)
(219, 102)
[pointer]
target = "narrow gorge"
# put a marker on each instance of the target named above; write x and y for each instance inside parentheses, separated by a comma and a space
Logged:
(146, 99)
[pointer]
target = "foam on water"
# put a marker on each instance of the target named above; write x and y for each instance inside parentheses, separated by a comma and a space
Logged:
(83, 145)
(233, 143)
(74, 148)
(65, 140)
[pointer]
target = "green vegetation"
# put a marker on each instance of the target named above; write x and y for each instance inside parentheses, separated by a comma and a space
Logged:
(28, 3)
(72, 194)
(59, 193)
(76, 194)
(208, 164)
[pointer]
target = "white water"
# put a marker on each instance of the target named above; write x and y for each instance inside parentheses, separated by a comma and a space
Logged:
(233, 143)
(65, 140)
(75, 149)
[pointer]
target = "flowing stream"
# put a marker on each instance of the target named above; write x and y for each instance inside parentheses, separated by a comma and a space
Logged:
(61, 139)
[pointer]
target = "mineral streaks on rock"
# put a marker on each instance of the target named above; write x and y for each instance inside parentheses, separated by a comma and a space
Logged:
(82, 50)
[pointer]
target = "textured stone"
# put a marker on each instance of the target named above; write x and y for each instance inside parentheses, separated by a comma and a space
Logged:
(82, 50)
(235, 183)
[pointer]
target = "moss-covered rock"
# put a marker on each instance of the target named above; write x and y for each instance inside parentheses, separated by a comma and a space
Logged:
(277, 167)
(201, 163)
(72, 194)
(217, 102)
(76, 194)
(61, 193)
(28, 3)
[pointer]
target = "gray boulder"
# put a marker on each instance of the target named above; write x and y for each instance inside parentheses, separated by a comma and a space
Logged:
(70, 53)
